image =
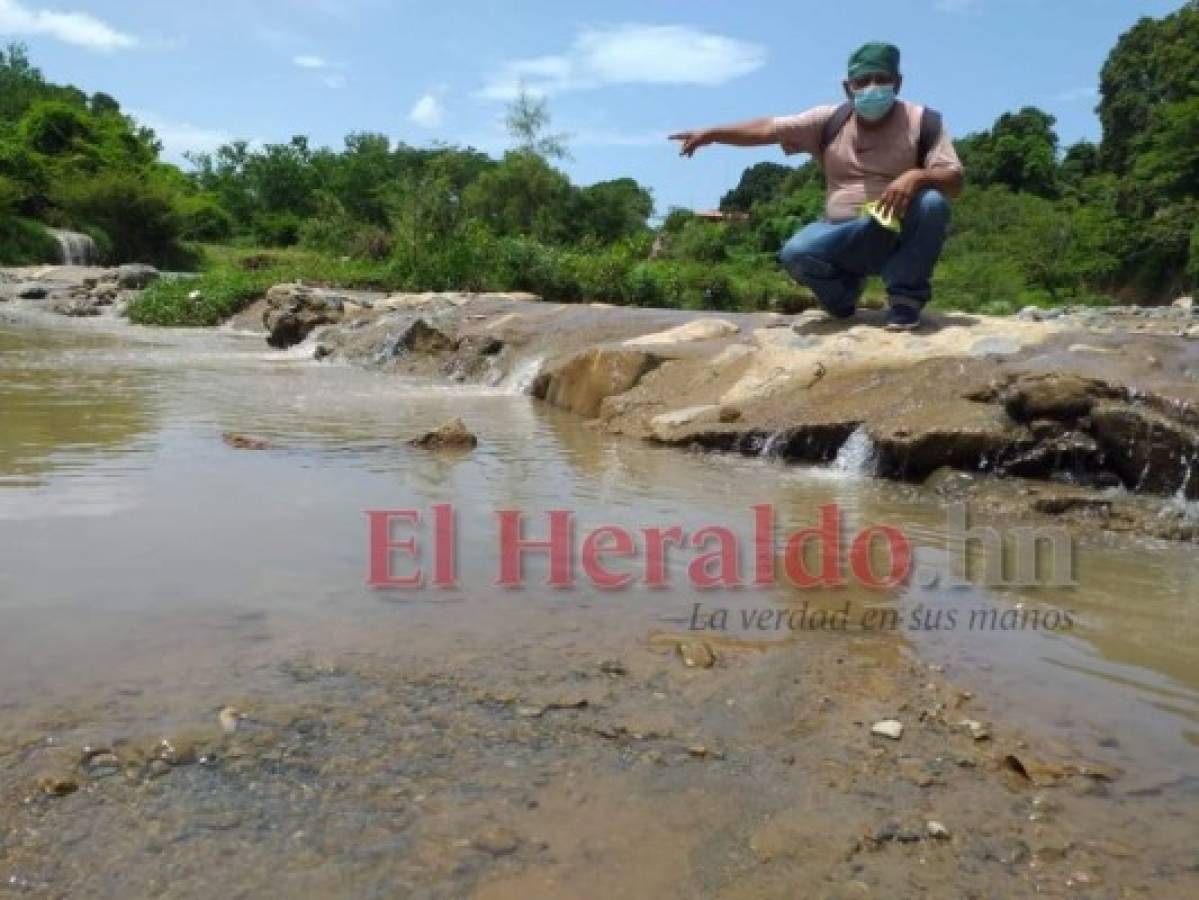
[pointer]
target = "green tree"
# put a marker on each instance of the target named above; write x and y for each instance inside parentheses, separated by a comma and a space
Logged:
(524, 195)
(611, 210)
(528, 121)
(1155, 63)
(760, 183)
(1019, 152)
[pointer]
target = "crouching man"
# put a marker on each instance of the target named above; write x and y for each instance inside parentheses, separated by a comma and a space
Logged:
(877, 149)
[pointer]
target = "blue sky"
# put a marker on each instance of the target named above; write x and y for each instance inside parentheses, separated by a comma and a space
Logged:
(619, 75)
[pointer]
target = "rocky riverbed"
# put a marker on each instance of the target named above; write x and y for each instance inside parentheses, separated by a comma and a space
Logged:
(207, 699)
(1099, 410)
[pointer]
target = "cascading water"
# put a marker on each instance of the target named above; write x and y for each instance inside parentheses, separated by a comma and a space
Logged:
(75, 249)
(772, 445)
(520, 379)
(857, 455)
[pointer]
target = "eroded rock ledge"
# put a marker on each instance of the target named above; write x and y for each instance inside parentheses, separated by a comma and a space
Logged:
(1091, 403)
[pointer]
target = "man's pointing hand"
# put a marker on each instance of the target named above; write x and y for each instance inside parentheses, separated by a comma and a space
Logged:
(692, 141)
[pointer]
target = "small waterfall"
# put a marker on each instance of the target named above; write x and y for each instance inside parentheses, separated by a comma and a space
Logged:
(520, 379)
(1189, 508)
(771, 446)
(857, 454)
(75, 249)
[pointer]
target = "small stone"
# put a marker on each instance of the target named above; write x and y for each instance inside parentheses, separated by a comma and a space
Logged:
(103, 765)
(530, 712)
(699, 751)
(890, 728)
(229, 718)
(978, 730)
(497, 841)
(613, 667)
(450, 436)
(937, 831)
(244, 441)
(57, 784)
(696, 655)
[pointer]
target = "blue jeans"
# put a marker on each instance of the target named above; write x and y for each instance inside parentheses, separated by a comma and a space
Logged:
(834, 259)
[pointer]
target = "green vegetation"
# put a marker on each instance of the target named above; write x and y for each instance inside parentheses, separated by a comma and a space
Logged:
(1038, 224)
(76, 161)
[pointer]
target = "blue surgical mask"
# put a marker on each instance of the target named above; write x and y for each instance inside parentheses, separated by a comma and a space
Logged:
(874, 102)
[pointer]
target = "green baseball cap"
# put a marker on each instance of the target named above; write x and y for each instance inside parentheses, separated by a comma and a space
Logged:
(874, 57)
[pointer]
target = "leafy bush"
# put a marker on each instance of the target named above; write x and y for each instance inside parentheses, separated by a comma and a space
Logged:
(277, 229)
(24, 243)
(202, 218)
(979, 281)
(219, 294)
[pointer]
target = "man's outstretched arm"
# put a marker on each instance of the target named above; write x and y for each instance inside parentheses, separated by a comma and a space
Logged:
(753, 133)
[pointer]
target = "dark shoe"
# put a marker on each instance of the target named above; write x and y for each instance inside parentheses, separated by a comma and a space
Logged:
(902, 317)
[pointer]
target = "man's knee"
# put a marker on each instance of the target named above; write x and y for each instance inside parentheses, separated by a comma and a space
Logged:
(800, 257)
(933, 204)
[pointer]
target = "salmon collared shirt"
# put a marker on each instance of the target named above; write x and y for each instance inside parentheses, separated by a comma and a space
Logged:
(861, 163)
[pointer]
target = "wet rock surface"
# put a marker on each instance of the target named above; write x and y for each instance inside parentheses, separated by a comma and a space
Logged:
(294, 311)
(1065, 398)
(450, 436)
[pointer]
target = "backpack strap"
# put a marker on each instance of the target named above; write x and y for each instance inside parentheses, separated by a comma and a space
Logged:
(833, 126)
(930, 133)
(931, 125)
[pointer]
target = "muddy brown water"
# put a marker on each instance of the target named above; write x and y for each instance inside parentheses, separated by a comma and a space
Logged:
(151, 575)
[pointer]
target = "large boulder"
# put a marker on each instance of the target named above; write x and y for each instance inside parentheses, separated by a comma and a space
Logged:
(1151, 451)
(136, 276)
(293, 311)
(1053, 396)
(582, 382)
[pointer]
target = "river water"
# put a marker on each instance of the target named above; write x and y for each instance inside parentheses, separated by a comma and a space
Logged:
(149, 572)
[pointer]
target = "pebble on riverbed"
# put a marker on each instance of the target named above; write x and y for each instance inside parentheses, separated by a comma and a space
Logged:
(57, 784)
(450, 436)
(891, 728)
(696, 655)
(978, 730)
(936, 830)
(244, 442)
(498, 841)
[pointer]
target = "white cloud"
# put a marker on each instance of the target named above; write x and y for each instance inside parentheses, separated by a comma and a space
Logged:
(179, 138)
(427, 112)
(334, 79)
(1074, 95)
(311, 62)
(78, 28)
(629, 54)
